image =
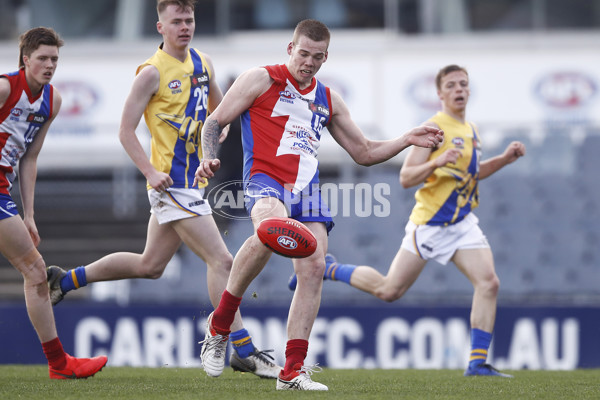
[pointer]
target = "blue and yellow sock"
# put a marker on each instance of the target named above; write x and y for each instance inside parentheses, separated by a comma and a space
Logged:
(338, 272)
(242, 343)
(480, 343)
(74, 279)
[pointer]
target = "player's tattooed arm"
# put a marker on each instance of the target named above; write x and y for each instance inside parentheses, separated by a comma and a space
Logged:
(210, 138)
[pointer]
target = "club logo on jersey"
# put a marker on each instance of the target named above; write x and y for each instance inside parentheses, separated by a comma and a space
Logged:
(303, 141)
(199, 80)
(36, 118)
(175, 86)
(318, 109)
(458, 142)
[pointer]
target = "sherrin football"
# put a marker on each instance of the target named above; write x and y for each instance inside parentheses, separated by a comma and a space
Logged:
(287, 237)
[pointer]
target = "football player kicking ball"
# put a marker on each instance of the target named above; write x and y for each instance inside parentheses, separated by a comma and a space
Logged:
(284, 109)
(442, 226)
(174, 89)
(28, 105)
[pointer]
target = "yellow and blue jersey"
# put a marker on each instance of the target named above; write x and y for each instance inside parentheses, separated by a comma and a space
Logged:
(450, 193)
(176, 113)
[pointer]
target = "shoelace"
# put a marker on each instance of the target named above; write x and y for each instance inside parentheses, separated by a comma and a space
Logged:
(309, 370)
(213, 342)
(262, 355)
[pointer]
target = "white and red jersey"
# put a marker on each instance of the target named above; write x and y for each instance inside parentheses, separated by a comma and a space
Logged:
(21, 117)
(281, 131)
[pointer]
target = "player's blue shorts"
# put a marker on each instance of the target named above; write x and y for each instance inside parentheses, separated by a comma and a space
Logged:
(8, 208)
(306, 206)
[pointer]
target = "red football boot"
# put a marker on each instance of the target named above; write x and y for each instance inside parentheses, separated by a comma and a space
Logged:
(79, 368)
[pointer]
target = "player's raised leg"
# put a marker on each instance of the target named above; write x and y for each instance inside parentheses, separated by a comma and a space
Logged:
(162, 241)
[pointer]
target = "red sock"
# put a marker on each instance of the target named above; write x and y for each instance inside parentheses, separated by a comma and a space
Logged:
(225, 313)
(295, 353)
(55, 354)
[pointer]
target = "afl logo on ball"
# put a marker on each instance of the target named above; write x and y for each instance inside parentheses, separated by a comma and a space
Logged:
(287, 242)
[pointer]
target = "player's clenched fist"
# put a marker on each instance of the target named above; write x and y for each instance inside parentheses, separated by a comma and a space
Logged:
(206, 170)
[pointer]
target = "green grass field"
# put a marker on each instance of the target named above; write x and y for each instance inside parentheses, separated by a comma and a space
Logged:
(32, 382)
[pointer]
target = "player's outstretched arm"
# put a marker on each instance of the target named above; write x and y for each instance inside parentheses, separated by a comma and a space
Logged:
(512, 152)
(369, 152)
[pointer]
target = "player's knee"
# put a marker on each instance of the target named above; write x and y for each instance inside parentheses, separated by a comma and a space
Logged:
(390, 295)
(226, 261)
(220, 263)
(491, 285)
(311, 268)
(36, 276)
(152, 270)
(495, 285)
(32, 268)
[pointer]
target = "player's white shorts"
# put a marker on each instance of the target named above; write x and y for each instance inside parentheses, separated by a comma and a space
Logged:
(174, 204)
(439, 243)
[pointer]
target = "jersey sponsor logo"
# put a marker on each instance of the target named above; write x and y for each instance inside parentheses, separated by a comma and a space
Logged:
(566, 89)
(36, 118)
(199, 80)
(318, 109)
